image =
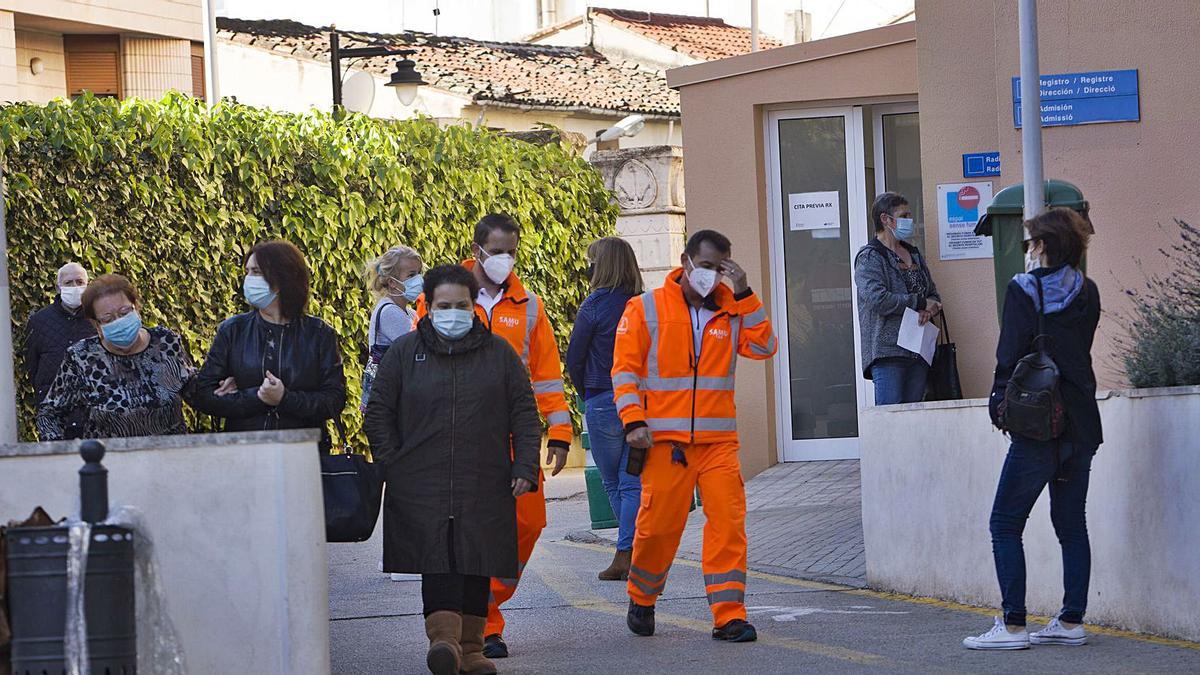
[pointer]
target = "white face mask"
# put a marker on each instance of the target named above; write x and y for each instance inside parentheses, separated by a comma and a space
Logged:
(498, 267)
(72, 296)
(1033, 259)
(702, 280)
(452, 324)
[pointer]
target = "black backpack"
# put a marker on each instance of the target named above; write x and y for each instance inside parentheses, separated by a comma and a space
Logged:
(1033, 405)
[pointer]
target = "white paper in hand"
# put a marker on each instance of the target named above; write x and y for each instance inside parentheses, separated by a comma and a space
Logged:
(917, 338)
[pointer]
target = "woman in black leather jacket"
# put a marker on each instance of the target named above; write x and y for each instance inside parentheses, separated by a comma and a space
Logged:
(274, 367)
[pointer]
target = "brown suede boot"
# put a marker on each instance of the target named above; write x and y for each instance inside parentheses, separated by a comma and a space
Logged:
(445, 631)
(473, 661)
(619, 569)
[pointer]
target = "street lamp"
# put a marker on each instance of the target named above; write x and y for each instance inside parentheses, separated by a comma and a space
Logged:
(628, 127)
(404, 80)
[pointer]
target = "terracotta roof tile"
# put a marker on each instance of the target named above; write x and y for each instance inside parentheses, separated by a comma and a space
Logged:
(538, 76)
(700, 37)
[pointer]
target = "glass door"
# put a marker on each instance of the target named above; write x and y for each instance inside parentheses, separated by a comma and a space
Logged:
(897, 141)
(817, 203)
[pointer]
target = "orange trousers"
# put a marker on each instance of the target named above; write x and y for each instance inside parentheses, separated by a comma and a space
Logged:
(667, 487)
(531, 520)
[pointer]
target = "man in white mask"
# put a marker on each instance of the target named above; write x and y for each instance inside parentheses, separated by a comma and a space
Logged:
(53, 328)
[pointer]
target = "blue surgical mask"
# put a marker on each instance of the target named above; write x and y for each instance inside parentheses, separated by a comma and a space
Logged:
(412, 287)
(257, 291)
(452, 324)
(124, 331)
(904, 228)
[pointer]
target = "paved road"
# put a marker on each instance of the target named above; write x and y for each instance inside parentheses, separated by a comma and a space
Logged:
(563, 620)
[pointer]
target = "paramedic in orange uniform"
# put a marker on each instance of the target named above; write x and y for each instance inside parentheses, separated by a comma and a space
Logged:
(515, 313)
(673, 382)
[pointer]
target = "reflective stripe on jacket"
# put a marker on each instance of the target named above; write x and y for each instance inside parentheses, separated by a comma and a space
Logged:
(657, 379)
(521, 319)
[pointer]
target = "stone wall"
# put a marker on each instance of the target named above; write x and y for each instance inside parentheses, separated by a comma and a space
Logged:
(648, 186)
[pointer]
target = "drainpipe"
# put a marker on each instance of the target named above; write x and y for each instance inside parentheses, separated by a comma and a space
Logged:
(753, 25)
(1031, 113)
(211, 85)
(8, 384)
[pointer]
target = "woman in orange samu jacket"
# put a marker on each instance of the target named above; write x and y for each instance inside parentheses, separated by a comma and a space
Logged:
(673, 381)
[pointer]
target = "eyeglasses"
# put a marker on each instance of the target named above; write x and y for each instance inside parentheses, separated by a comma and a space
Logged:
(121, 313)
(1025, 244)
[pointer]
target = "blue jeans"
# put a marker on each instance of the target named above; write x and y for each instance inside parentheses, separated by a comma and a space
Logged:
(1030, 465)
(611, 453)
(899, 380)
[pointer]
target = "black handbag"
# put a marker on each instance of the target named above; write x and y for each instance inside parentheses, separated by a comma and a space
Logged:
(943, 383)
(1033, 405)
(353, 491)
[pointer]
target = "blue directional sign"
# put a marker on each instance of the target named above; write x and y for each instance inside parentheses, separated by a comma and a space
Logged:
(1084, 98)
(981, 164)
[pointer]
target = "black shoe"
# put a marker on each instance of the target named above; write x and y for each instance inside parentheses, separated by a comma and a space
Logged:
(494, 647)
(735, 631)
(640, 619)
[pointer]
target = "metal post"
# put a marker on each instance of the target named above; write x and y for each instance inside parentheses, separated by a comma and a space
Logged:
(335, 64)
(8, 384)
(93, 483)
(1031, 111)
(753, 25)
(212, 85)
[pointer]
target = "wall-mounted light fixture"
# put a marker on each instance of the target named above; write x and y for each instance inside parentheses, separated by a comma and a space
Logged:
(36, 66)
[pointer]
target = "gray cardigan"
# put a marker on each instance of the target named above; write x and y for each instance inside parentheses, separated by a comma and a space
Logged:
(882, 297)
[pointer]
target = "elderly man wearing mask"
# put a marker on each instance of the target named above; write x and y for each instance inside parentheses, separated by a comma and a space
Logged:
(53, 328)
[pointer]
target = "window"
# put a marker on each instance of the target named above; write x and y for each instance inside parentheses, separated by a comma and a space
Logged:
(198, 89)
(93, 64)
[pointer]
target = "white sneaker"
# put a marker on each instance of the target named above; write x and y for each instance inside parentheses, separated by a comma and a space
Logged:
(999, 637)
(1057, 634)
(405, 577)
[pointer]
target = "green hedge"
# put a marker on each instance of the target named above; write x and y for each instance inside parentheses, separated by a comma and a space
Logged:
(172, 195)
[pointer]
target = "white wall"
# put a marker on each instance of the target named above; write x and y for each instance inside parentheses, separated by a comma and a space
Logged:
(929, 474)
(656, 132)
(259, 78)
(238, 530)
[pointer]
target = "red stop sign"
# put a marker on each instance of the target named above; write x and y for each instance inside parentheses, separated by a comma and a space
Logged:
(968, 198)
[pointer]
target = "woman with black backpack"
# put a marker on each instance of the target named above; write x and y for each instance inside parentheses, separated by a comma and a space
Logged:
(1044, 396)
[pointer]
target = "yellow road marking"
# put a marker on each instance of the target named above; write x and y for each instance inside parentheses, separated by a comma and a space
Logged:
(916, 600)
(567, 585)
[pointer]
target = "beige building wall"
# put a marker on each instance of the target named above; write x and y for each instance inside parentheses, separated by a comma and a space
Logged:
(152, 66)
(957, 62)
(51, 83)
(170, 18)
(723, 158)
(8, 57)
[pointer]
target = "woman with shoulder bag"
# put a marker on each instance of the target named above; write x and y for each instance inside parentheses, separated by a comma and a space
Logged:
(1055, 294)
(891, 276)
(274, 367)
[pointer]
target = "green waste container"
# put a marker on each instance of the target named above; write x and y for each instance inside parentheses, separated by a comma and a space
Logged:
(1003, 223)
(599, 509)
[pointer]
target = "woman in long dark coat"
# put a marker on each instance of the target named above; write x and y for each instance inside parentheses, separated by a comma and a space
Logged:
(452, 417)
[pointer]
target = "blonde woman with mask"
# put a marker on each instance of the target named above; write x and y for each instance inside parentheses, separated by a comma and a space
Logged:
(395, 278)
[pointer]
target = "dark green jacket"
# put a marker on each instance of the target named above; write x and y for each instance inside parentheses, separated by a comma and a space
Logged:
(453, 423)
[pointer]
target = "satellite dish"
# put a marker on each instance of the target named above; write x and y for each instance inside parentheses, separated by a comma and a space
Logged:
(359, 92)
